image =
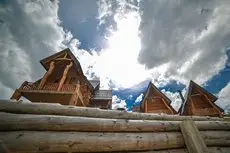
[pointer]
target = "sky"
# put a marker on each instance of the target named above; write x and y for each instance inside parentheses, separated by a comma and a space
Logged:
(124, 43)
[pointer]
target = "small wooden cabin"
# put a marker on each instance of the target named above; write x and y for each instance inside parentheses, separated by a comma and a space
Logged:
(155, 101)
(64, 83)
(136, 108)
(199, 102)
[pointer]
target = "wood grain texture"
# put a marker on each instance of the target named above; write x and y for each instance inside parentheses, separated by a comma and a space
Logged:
(49, 141)
(9, 121)
(193, 140)
(57, 109)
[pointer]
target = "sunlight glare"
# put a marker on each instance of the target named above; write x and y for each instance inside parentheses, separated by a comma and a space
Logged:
(118, 61)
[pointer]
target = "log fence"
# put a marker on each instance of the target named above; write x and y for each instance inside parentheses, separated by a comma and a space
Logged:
(52, 128)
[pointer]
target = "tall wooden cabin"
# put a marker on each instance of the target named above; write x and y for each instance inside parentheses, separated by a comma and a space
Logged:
(64, 83)
(155, 101)
(199, 102)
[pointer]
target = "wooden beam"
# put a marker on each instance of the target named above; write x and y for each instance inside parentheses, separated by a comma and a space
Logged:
(57, 109)
(33, 122)
(198, 94)
(51, 141)
(64, 76)
(192, 137)
(167, 106)
(47, 74)
(219, 112)
(63, 59)
(109, 104)
(17, 93)
(65, 55)
(146, 105)
(77, 95)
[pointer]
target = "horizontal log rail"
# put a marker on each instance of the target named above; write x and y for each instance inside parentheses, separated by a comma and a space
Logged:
(48, 141)
(57, 109)
(17, 122)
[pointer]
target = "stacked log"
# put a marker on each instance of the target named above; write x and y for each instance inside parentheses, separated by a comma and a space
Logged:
(40, 127)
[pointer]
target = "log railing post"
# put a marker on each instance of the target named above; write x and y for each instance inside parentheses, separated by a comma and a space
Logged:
(192, 137)
(47, 74)
(64, 76)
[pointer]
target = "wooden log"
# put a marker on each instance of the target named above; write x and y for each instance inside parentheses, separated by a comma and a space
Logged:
(216, 138)
(57, 109)
(210, 150)
(88, 142)
(192, 137)
(10, 122)
(100, 142)
(64, 76)
(46, 75)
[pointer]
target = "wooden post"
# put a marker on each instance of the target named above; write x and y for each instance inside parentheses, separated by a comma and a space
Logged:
(47, 74)
(74, 98)
(192, 137)
(109, 104)
(219, 112)
(17, 93)
(77, 95)
(64, 76)
(167, 106)
(146, 109)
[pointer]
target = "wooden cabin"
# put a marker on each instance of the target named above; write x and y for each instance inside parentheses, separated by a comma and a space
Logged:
(199, 102)
(136, 108)
(155, 101)
(64, 83)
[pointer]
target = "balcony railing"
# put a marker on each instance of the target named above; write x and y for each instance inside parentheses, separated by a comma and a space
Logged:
(49, 87)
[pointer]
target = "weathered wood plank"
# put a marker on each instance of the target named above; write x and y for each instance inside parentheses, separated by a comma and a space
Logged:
(57, 109)
(99, 142)
(192, 137)
(10, 122)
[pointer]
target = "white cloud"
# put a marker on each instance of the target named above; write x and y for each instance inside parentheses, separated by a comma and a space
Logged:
(29, 31)
(175, 98)
(189, 37)
(179, 41)
(118, 103)
(139, 99)
(224, 98)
